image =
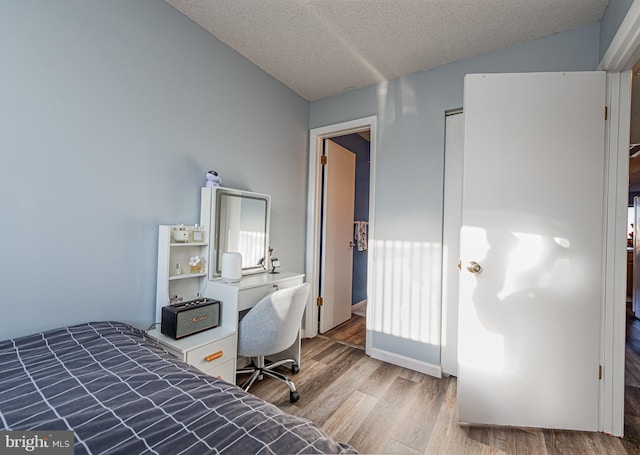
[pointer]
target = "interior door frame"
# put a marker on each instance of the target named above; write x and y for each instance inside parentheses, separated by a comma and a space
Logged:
(314, 208)
(618, 60)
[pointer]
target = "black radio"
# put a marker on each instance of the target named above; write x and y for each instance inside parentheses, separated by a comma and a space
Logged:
(186, 318)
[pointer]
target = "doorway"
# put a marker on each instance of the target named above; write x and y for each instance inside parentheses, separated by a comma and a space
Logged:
(363, 128)
(344, 250)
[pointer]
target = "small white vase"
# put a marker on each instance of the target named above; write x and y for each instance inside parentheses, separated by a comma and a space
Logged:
(231, 267)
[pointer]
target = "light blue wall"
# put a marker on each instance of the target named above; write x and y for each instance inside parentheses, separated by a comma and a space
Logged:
(409, 176)
(110, 114)
(613, 15)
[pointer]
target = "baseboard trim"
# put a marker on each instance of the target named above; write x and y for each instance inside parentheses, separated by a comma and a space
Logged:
(405, 362)
(358, 306)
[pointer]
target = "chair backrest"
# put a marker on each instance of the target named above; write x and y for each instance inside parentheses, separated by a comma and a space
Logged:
(272, 325)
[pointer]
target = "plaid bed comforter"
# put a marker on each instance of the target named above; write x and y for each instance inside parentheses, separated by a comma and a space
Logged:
(121, 393)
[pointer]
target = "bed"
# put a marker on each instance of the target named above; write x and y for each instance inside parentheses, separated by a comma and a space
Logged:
(119, 392)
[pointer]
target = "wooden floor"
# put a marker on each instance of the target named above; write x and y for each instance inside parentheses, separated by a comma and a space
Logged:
(352, 332)
(382, 408)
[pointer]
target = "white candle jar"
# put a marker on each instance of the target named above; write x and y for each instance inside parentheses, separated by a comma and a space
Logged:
(231, 269)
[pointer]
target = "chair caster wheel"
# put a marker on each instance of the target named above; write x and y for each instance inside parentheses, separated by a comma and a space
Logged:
(294, 396)
(295, 369)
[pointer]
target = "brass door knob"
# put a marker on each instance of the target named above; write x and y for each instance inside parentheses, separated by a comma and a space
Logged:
(474, 267)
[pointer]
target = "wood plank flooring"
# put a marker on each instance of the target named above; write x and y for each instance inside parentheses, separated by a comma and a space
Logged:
(382, 408)
(352, 332)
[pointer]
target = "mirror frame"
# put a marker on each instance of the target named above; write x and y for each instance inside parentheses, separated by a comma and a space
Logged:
(210, 216)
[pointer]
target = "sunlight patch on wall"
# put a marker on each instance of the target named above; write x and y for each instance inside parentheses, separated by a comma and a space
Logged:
(405, 301)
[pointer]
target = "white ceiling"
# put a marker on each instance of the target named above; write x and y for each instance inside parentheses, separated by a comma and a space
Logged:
(320, 48)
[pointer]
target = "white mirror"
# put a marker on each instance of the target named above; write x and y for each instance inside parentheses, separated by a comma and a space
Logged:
(239, 222)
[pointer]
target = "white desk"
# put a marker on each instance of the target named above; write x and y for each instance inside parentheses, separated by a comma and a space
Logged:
(215, 351)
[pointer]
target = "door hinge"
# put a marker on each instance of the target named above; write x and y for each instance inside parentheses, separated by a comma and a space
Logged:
(606, 113)
(323, 159)
(319, 301)
(599, 372)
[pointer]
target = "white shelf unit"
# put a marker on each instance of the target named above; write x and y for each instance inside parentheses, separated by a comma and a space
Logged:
(186, 286)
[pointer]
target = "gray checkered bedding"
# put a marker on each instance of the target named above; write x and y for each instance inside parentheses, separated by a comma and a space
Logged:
(120, 393)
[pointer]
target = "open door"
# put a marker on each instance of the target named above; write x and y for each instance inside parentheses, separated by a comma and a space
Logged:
(337, 228)
(531, 250)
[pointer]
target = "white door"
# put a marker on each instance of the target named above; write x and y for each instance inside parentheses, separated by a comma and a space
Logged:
(532, 220)
(451, 221)
(337, 241)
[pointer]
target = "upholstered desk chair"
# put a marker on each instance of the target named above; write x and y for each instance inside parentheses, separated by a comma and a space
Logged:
(270, 327)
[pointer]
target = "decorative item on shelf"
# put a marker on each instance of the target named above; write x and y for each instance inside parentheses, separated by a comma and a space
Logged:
(213, 179)
(196, 264)
(178, 270)
(174, 299)
(180, 234)
(197, 234)
(231, 267)
(191, 317)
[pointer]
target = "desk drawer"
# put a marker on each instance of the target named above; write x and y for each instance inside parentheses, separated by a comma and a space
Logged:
(247, 298)
(212, 354)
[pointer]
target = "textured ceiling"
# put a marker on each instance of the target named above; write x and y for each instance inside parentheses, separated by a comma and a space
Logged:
(320, 48)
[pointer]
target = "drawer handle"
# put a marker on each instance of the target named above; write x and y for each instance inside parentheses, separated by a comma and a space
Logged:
(212, 357)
